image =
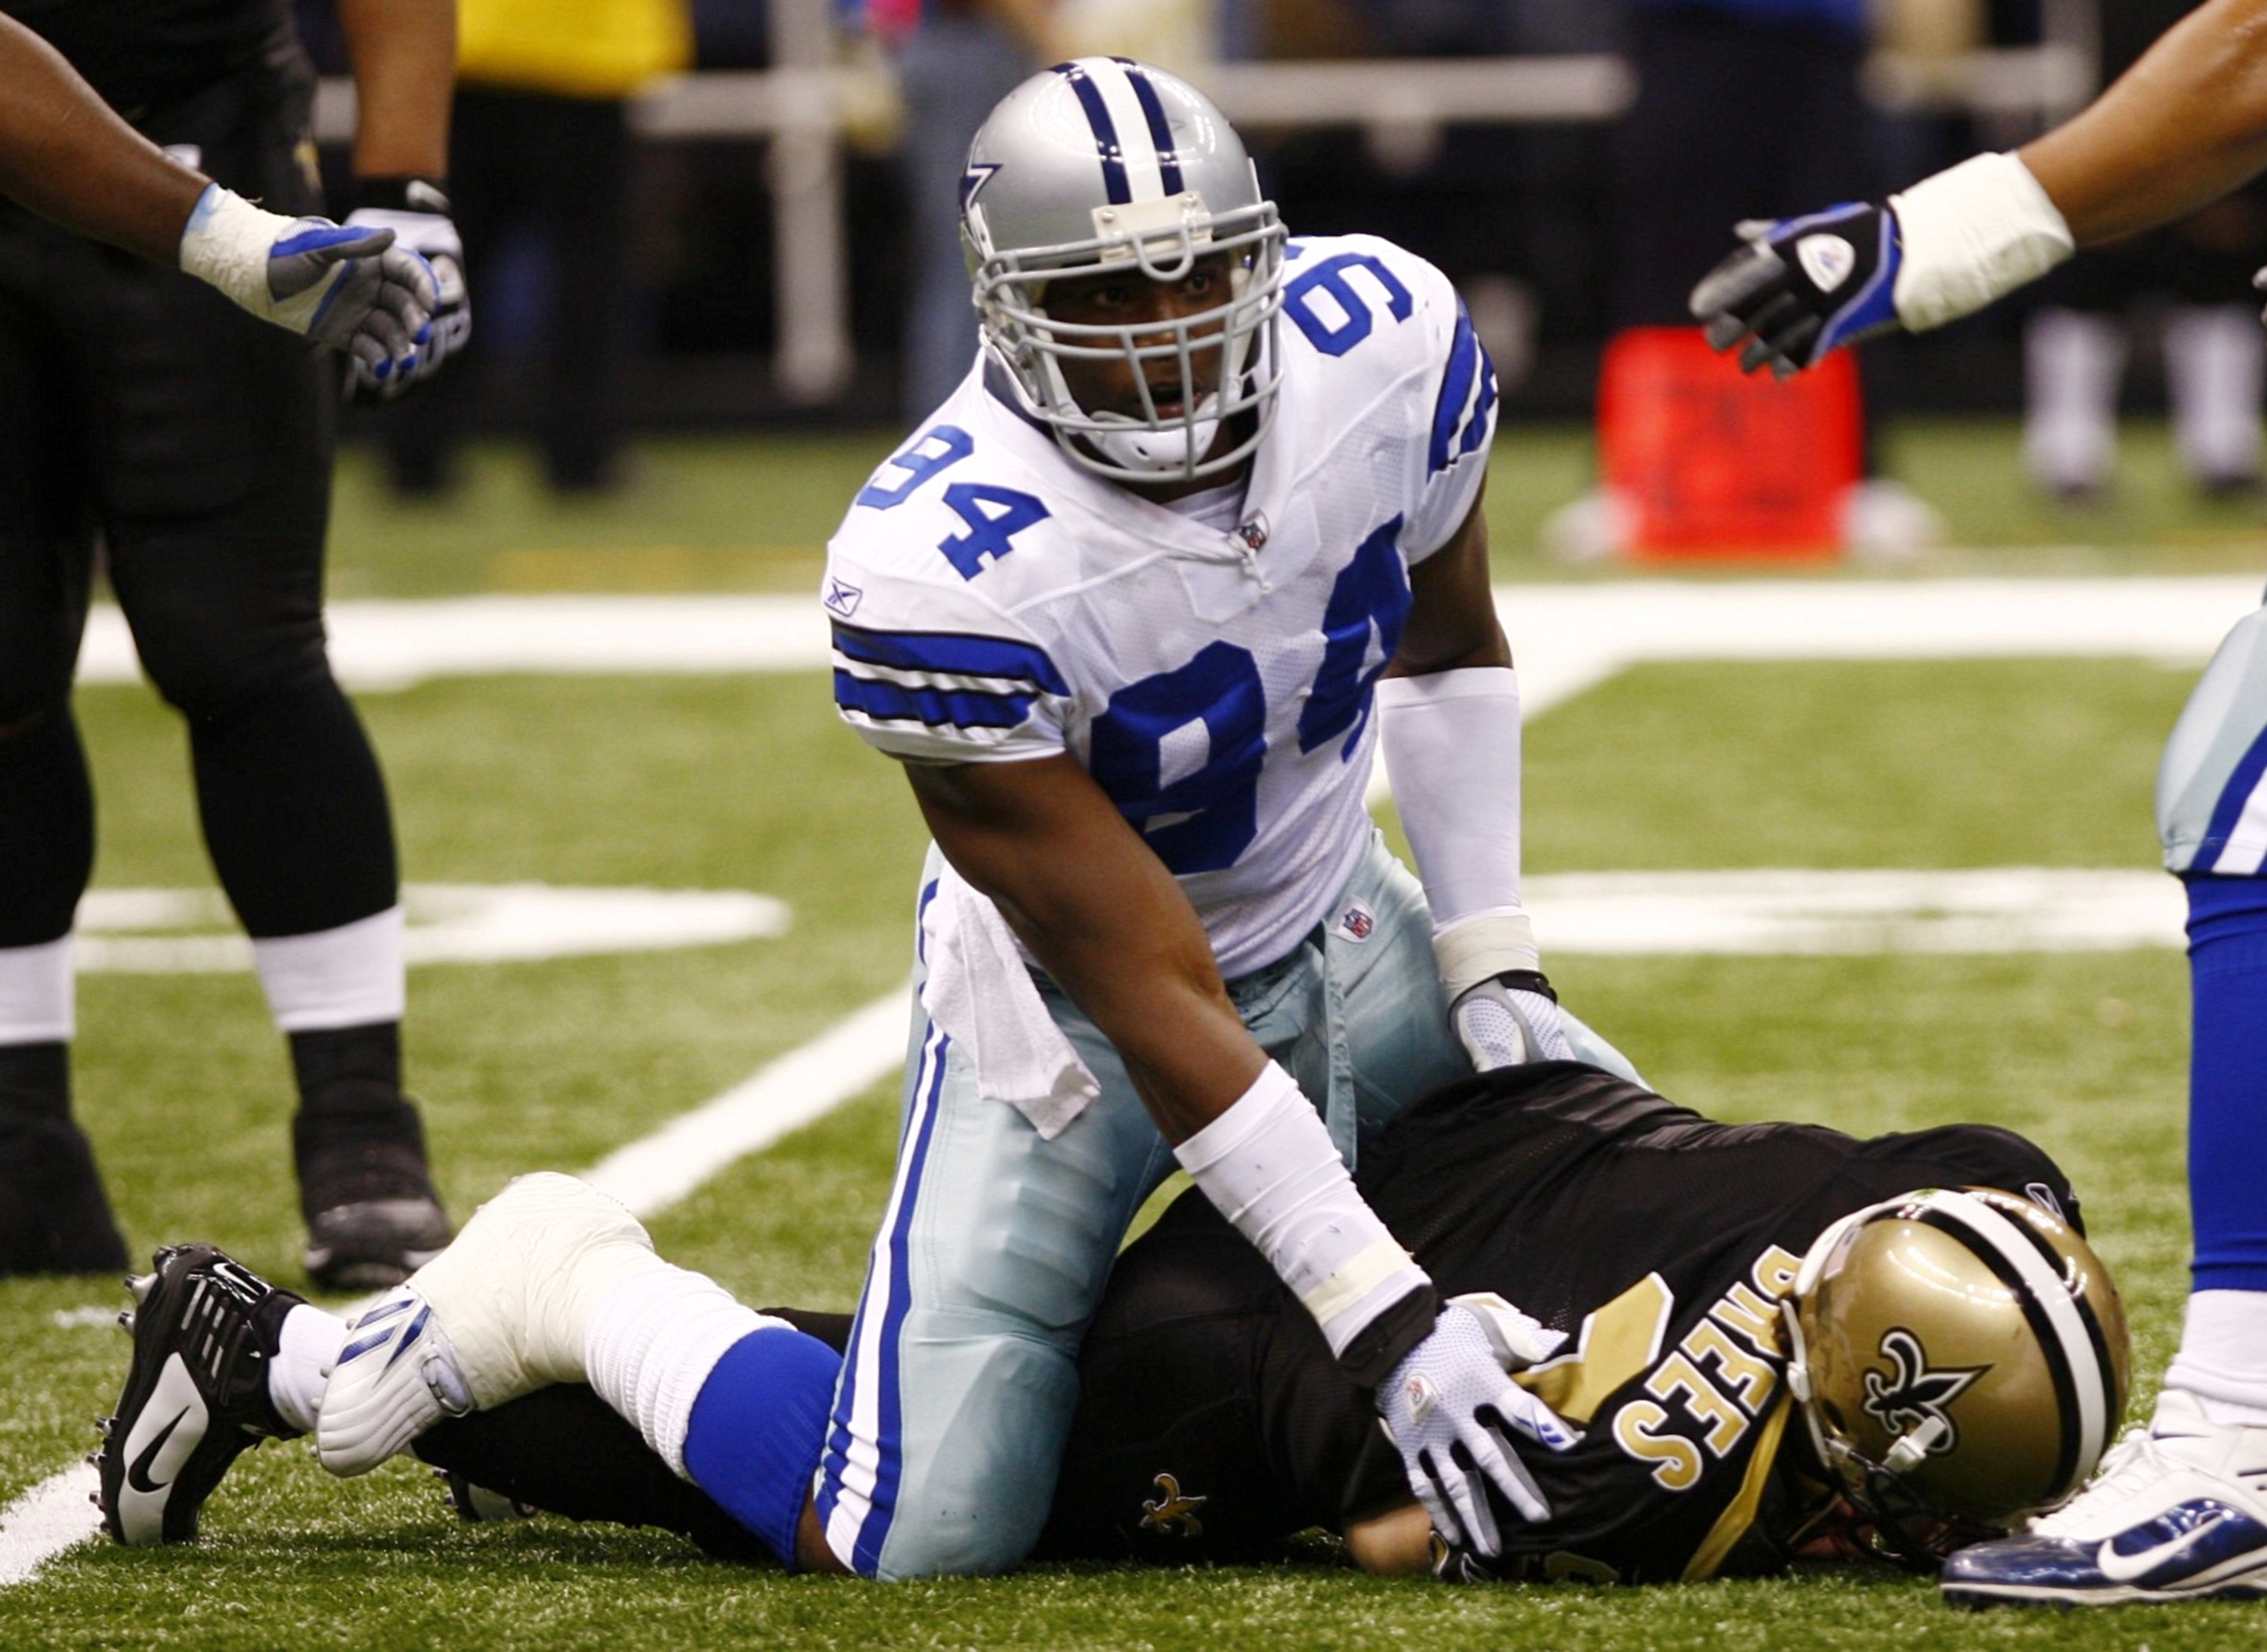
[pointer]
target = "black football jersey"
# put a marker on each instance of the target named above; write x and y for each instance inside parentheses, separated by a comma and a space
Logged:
(1212, 1423)
(144, 53)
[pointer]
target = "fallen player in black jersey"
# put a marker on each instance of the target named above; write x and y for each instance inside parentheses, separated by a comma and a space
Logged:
(1213, 1424)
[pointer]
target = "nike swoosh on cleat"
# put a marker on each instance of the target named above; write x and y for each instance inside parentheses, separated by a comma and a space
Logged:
(138, 1472)
(2125, 1568)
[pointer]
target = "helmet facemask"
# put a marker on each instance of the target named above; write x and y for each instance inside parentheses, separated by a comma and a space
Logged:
(1221, 363)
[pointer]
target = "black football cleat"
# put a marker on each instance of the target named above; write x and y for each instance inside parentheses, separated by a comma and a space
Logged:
(373, 1218)
(204, 1330)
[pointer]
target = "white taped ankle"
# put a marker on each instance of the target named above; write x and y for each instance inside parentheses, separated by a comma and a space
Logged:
(2223, 1356)
(652, 1341)
(309, 1345)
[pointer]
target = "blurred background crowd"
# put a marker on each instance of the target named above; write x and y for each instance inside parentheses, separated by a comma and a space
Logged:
(727, 213)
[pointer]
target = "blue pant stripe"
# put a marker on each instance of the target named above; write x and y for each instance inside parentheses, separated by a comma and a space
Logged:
(2229, 809)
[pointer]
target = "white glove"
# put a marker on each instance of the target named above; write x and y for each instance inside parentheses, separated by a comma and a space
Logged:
(351, 289)
(1450, 1409)
(1508, 1020)
(418, 214)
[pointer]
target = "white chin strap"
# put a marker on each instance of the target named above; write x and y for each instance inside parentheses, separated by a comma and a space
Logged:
(1161, 453)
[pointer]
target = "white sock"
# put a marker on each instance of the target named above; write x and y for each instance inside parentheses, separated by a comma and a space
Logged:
(2215, 358)
(2072, 364)
(309, 1345)
(2223, 1357)
(347, 977)
(36, 999)
(652, 1341)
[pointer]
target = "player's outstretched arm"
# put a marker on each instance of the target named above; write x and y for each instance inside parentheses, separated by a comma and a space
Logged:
(65, 155)
(1449, 712)
(1109, 923)
(2184, 125)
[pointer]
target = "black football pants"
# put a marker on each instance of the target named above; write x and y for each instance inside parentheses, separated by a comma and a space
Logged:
(142, 411)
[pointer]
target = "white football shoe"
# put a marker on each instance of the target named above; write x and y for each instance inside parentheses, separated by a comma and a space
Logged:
(502, 1312)
(2177, 1512)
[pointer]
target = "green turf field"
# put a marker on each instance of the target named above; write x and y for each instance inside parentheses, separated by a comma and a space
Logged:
(747, 784)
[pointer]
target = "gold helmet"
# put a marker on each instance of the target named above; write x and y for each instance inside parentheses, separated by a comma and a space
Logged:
(1960, 1358)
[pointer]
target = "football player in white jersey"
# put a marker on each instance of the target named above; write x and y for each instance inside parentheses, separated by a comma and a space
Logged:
(2181, 1511)
(1132, 608)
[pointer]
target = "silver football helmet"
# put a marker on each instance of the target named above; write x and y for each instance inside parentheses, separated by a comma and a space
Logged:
(1101, 167)
(1960, 1358)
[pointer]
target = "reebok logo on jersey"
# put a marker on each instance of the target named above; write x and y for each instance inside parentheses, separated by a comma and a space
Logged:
(1826, 258)
(842, 598)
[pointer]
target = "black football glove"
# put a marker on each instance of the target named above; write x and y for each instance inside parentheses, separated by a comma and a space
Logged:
(1802, 286)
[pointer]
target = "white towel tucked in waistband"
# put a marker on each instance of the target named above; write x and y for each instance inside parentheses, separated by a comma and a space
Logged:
(979, 990)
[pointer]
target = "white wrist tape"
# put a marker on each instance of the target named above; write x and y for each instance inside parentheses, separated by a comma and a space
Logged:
(1480, 947)
(1268, 1166)
(1972, 233)
(1452, 752)
(226, 243)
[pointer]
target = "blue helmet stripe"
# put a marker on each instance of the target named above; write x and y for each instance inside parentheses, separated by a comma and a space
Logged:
(1161, 132)
(1105, 133)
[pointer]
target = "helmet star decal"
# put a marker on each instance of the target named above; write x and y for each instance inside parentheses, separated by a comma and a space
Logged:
(1910, 1393)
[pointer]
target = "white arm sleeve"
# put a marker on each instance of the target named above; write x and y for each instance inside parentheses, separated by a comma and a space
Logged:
(1268, 1166)
(1452, 752)
(1969, 234)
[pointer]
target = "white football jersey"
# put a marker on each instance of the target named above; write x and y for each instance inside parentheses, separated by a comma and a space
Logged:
(993, 602)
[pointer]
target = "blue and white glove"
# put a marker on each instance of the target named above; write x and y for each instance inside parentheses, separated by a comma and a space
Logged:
(1451, 1409)
(1802, 286)
(1508, 1020)
(351, 289)
(347, 288)
(417, 211)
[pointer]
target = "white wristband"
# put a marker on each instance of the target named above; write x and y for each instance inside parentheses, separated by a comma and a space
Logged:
(1268, 1166)
(1483, 947)
(227, 243)
(1969, 235)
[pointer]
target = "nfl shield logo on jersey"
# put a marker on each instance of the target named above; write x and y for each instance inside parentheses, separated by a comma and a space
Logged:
(1253, 535)
(1357, 923)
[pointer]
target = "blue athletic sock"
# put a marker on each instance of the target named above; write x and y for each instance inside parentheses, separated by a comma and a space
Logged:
(2228, 1081)
(757, 1426)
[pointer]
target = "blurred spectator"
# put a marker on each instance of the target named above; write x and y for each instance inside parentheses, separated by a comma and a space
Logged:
(2076, 345)
(542, 151)
(955, 59)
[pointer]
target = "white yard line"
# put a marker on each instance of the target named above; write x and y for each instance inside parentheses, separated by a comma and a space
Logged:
(648, 1175)
(1567, 636)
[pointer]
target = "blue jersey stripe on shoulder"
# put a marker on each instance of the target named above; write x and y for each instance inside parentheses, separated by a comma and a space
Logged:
(1464, 359)
(934, 707)
(1476, 429)
(953, 653)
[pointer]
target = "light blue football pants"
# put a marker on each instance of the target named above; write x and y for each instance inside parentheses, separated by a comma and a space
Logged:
(956, 1397)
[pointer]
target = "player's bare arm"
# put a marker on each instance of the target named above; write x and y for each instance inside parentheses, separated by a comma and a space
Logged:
(2182, 127)
(65, 155)
(1452, 619)
(2186, 124)
(1104, 919)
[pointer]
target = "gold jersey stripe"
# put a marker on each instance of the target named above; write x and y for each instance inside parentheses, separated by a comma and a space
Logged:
(1739, 1513)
